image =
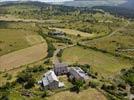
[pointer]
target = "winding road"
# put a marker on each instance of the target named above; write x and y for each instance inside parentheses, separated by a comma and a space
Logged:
(55, 59)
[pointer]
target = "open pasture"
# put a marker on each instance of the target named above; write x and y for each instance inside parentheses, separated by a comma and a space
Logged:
(89, 94)
(104, 64)
(122, 42)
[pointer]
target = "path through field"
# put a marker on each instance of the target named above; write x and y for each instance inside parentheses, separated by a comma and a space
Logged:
(23, 57)
(55, 59)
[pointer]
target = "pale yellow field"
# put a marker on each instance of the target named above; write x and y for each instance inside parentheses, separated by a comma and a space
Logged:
(34, 39)
(89, 94)
(23, 57)
(74, 32)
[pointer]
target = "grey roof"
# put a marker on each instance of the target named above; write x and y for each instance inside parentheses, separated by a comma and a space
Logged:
(60, 65)
(49, 77)
(80, 72)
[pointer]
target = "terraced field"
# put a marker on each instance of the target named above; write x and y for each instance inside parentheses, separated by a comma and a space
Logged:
(12, 40)
(20, 46)
(23, 57)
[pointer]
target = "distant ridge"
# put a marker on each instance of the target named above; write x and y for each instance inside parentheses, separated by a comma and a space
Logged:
(129, 4)
(91, 3)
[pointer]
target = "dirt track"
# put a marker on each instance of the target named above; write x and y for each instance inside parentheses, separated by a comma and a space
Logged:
(23, 57)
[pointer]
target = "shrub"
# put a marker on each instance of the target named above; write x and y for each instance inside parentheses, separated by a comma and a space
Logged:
(23, 77)
(7, 86)
(121, 85)
(77, 85)
(5, 75)
(93, 84)
(30, 83)
(26, 79)
(132, 90)
(128, 76)
(60, 53)
(78, 35)
(34, 69)
(9, 77)
(45, 94)
(51, 49)
(47, 61)
(4, 97)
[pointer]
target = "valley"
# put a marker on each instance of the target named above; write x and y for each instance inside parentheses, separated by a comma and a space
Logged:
(35, 37)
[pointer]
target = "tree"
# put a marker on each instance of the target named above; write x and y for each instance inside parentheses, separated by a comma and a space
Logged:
(132, 90)
(30, 83)
(23, 77)
(26, 79)
(93, 83)
(78, 35)
(4, 97)
(77, 85)
(45, 94)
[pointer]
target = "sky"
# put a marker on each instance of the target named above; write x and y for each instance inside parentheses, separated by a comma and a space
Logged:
(40, 0)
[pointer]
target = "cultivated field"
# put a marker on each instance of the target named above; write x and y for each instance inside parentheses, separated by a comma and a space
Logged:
(89, 94)
(34, 39)
(102, 63)
(16, 39)
(23, 57)
(74, 32)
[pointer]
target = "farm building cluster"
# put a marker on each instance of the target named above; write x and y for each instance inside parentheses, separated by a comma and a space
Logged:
(50, 79)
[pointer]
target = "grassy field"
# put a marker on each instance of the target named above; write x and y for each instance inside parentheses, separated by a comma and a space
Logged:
(89, 94)
(12, 40)
(23, 57)
(121, 42)
(16, 24)
(102, 63)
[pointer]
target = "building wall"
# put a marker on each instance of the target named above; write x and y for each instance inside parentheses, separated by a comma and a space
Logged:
(54, 85)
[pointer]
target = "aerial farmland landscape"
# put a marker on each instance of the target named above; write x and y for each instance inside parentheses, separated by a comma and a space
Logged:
(66, 50)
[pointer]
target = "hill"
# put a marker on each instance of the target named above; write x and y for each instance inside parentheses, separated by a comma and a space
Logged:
(117, 7)
(38, 10)
(97, 42)
(129, 4)
(117, 11)
(91, 3)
